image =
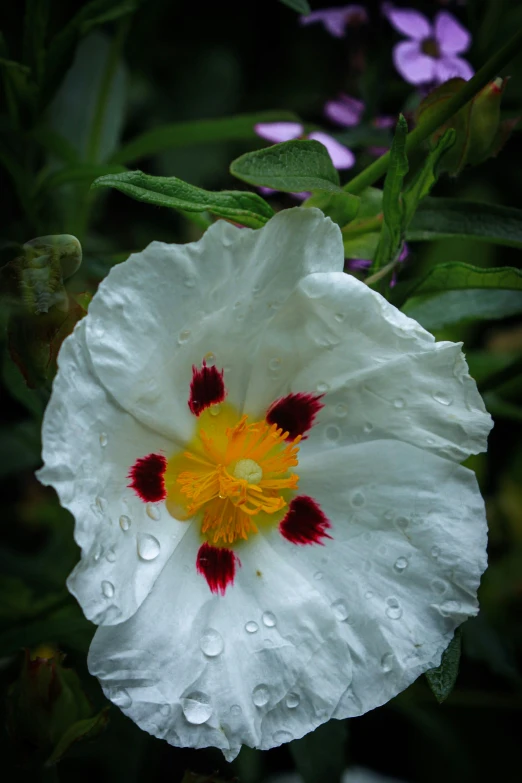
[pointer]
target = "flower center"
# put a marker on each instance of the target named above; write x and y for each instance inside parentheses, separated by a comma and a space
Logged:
(235, 472)
(430, 47)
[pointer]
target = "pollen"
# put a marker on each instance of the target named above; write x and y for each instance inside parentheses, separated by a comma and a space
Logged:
(235, 474)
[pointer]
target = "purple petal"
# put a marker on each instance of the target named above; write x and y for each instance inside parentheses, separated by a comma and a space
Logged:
(358, 264)
(408, 22)
(336, 20)
(279, 131)
(345, 111)
(451, 36)
(341, 156)
(414, 66)
(449, 67)
(266, 191)
(384, 122)
(404, 252)
(378, 151)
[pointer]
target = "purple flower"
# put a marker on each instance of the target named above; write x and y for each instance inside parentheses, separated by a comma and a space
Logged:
(429, 55)
(363, 264)
(347, 111)
(336, 20)
(341, 156)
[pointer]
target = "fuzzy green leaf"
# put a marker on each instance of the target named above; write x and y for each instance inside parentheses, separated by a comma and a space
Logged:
(442, 679)
(392, 203)
(340, 207)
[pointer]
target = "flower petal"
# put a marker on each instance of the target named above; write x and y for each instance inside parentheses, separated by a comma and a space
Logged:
(295, 413)
(199, 669)
(170, 306)
(89, 445)
(345, 111)
(408, 22)
(449, 67)
(341, 156)
(336, 20)
(451, 36)
(278, 131)
(414, 66)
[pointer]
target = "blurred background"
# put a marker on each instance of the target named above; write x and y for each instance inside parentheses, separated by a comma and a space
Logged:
(122, 70)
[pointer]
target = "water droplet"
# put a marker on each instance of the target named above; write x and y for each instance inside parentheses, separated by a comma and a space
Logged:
(430, 441)
(442, 398)
(269, 619)
(107, 589)
(439, 586)
(318, 575)
(368, 427)
(388, 515)
(260, 695)
(97, 553)
(196, 707)
(215, 410)
(387, 662)
(274, 364)
(121, 698)
(435, 552)
(110, 556)
(165, 710)
(357, 499)
(400, 565)
(153, 511)
(341, 410)
(190, 282)
(211, 643)
(322, 387)
(103, 439)
(368, 594)
(393, 609)
(332, 433)
(125, 522)
(282, 736)
(101, 503)
(339, 317)
(210, 359)
(235, 710)
(399, 403)
(402, 522)
(450, 607)
(251, 627)
(340, 610)
(184, 336)
(148, 546)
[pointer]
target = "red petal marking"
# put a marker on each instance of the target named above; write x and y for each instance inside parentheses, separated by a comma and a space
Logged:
(218, 566)
(304, 522)
(295, 413)
(206, 388)
(147, 478)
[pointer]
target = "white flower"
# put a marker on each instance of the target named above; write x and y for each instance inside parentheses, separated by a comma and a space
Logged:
(225, 626)
(352, 775)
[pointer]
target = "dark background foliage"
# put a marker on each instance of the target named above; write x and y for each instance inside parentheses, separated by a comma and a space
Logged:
(171, 62)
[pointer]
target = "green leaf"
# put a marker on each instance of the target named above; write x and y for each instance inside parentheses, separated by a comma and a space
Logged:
(361, 236)
(392, 204)
(320, 756)
(443, 218)
(442, 679)
(249, 209)
(502, 409)
(453, 307)
(361, 245)
(291, 167)
(457, 276)
(187, 134)
(426, 177)
(65, 627)
(301, 6)
(81, 172)
(55, 144)
(35, 30)
(336, 206)
(88, 728)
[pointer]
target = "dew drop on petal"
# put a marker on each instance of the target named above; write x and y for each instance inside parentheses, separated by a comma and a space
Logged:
(153, 512)
(282, 736)
(293, 700)
(400, 565)
(215, 410)
(260, 695)
(274, 364)
(388, 516)
(110, 555)
(210, 359)
(399, 403)
(97, 553)
(339, 317)
(121, 698)
(341, 410)
(318, 575)
(107, 589)
(125, 523)
(357, 499)
(402, 522)
(211, 643)
(184, 336)
(332, 433)
(148, 546)
(368, 427)
(368, 594)
(101, 503)
(103, 439)
(439, 586)
(235, 710)
(340, 610)
(449, 608)
(196, 707)
(393, 609)
(387, 662)
(165, 710)
(251, 627)
(442, 398)
(269, 619)
(190, 282)
(322, 387)
(435, 552)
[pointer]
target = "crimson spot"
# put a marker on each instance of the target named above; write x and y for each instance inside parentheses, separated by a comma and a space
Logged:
(146, 477)
(206, 388)
(295, 413)
(218, 566)
(304, 522)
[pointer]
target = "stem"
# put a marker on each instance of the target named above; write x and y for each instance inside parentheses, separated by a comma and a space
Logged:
(438, 117)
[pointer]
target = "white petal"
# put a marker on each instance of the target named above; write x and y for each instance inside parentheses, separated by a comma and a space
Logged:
(89, 444)
(383, 374)
(166, 308)
(267, 685)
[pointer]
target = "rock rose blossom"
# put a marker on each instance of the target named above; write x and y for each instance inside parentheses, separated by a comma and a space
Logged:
(431, 53)
(262, 458)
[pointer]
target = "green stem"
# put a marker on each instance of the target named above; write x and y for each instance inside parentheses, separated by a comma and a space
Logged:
(441, 115)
